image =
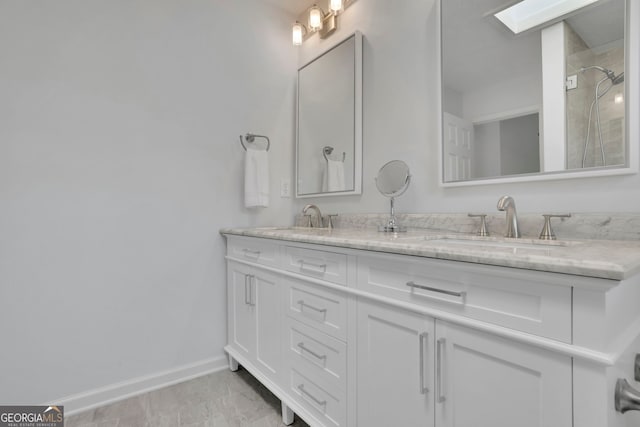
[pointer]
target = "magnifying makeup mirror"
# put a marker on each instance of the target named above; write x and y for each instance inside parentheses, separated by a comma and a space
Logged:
(392, 181)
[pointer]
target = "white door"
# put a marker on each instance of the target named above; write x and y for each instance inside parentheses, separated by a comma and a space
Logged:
(394, 367)
(458, 148)
(241, 327)
(487, 381)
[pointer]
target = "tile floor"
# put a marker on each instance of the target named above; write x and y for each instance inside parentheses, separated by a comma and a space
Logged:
(221, 399)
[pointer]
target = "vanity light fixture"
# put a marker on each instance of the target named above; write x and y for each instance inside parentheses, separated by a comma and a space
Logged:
(315, 18)
(335, 6)
(527, 14)
(297, 33)
(318, 21)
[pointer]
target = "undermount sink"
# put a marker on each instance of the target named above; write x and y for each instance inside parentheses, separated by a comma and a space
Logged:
(501, 243)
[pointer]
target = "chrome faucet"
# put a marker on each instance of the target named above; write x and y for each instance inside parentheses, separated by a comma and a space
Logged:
(318, 215)
(506, 203)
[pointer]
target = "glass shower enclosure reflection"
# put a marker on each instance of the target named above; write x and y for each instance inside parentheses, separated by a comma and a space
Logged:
(595, 107)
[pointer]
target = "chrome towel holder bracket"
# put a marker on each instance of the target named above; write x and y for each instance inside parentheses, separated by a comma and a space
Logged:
(327, 150)
(250, 139)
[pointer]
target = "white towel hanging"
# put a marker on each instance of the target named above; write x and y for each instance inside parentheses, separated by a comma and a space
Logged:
(256, 178)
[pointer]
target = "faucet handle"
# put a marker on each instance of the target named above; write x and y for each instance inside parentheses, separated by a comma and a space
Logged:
(483, 224)
(547, 232)
(330, 220)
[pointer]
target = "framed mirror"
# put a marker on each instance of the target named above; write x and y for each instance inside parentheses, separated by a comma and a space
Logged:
(542, 98)
(329, 122)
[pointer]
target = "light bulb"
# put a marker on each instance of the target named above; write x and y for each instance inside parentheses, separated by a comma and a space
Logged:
(335, 6)
(297, 31)
(618, 98)
(315, 18)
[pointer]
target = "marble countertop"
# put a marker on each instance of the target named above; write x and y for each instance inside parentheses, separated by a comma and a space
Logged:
(607, 259)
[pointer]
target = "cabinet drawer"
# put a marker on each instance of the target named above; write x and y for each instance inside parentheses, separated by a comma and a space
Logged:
(324, 309)
(253, 249)
(325, 405)
(532, 302)
(323, 265)
(322, 358)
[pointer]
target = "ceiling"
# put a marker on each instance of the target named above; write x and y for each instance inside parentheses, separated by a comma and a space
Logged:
(294, 7)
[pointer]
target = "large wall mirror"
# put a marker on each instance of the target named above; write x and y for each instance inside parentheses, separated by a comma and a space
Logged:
(329, 122)
(543, 102)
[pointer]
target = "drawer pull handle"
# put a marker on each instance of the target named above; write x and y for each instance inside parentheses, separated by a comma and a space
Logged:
(311, 352)
(423, 339)
(313, 268)
(251, 253)
(304, 304)
(440, 344)
(441, 291)
(311, 396)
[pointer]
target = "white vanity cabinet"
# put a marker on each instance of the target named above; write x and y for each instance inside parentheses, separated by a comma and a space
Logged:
(255, 320)
(352, 337)
(411, 366)
(395, 366)
(485, 381)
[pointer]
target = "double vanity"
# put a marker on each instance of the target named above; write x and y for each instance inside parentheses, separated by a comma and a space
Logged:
(352, 327)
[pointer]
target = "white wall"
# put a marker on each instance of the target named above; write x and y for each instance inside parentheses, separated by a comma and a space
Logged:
(401, 122)
(486, 154)
(520, 145)
(119, 162)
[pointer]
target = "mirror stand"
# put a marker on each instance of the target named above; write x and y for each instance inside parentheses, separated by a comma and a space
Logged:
(392, 225)
(392, 181)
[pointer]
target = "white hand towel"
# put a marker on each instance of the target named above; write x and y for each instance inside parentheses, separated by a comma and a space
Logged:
(256, 178)
(335, 175)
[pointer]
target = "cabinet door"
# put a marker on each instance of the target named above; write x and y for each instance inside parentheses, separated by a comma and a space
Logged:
(266, 293)
(394, 367)
(255, 312)
(487, 381)
(241, 323)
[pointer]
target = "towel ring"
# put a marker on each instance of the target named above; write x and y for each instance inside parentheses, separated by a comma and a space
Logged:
(250, 138)
(327, 150)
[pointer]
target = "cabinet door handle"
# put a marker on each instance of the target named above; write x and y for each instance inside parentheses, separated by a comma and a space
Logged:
(304, 304)
(423, 340)
(313, 268)
(251, 253)
(252, 290)
(248, 294)
(312, 397)
(438, 290)
(311, 352)
(440, 344)
(247, 290)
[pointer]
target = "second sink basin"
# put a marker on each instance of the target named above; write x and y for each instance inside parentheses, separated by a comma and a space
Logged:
(500, 243)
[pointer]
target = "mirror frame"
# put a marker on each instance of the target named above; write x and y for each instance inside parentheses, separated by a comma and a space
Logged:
(632, 98)
(357, 137)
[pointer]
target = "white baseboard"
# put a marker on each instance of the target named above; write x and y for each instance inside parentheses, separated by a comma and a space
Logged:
(112, 393)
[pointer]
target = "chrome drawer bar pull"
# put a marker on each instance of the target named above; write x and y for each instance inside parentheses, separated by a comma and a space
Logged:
(423, 339)
(311, 352)
(441, 291)
(313, 268)
(440, 343)
(304, 304)
(306, 393)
